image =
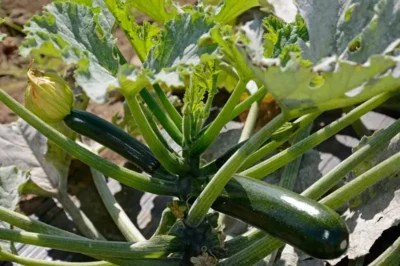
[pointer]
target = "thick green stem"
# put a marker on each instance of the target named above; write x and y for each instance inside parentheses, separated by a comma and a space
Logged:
(268, 166)
(241, 107)
(5, 256)
(358, 125)
(203, 203)
(291, 170)
(187, 130)
(171, 110)
(120, 218)
(146, 249)
(82, 222)
(271, 146)
(169, 160)
(162, 117)
(251, 254)
(23, 222)
(390, 257)
(123, 175)
(223, 117)
(323, 185)
(238, 243)
(28, 224)
(149, 116)
(362, 182)
(246, 133)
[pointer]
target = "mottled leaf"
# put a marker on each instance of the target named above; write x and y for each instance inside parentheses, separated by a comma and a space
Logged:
(376, 209)
(351, 29)
(142, 38)
(10, 179)
(332, 84)
(183, 43)
(71, 31)
(27, 149)
(356, 69)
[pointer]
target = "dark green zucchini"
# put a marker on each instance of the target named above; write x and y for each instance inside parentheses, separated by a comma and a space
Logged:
(301, 222)
(112, 137)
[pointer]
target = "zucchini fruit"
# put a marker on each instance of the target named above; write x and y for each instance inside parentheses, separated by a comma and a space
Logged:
(112, 137)
(301, 222)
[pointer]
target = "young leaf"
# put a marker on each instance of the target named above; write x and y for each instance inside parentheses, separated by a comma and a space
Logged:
(282, 38)
(182, 44)
(142, 38)
(376, 209)
(335, 82)
(69, 31)
(159, 10)
(230, 9)
(226, 40)
(10, 179)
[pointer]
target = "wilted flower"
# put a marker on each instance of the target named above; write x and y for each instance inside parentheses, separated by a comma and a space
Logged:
(48, 96)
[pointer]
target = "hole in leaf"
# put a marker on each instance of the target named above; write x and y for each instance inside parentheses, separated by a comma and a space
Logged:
(317, 82)
(349, 11)
(355, 44)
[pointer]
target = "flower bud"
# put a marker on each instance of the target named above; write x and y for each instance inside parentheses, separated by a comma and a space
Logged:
(48, 96)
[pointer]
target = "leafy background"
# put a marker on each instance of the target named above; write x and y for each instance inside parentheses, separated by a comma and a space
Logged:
(315, 163)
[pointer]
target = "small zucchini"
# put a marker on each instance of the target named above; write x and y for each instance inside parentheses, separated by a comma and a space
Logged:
(112, 137)
(301, 222)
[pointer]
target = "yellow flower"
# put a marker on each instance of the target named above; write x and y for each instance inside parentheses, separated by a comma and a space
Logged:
(48, 97)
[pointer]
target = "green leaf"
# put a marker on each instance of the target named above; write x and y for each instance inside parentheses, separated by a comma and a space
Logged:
(203, 78)
(333, 84)
(333, 25)
(69, 31)
(183, 43)
(10, 179)
(347, 77)
(376, 209)
(281, 38)
(230, 9)
(228, 51)
(30, 151)
(142, 38)
(133, 80)
(159, 10)
(105, 18)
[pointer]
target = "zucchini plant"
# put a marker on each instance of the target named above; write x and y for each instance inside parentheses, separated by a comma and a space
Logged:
(318, 60)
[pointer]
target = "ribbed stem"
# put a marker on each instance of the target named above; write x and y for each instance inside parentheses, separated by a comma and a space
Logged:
(390, 257)
(162, 116)
(268, 166)
(203, 203)
(323, 185)
(223, 117)
(82, 222)
(123, 175)
(146, 249)
(271, 146)
(169, 160)
(171, 110)
(120, 218)
(5, 256)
